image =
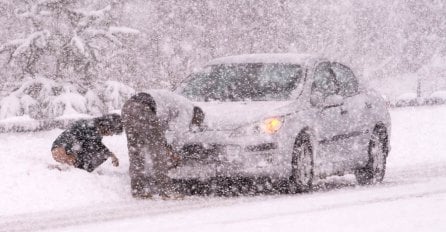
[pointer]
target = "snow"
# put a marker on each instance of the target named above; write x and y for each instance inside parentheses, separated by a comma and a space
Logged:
(412, 197)
(174, 109)
(283, 58)
(42, 98)
(116, 94)
(79, 44)
(37, 38)
(29, 186)
(94, 13)
(123, 30)
(439, 94)
(67, 103)
(407, 97)
(9, 107)
(386, 209)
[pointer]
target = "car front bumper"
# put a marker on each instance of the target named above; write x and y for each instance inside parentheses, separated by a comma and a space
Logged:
(214, 154)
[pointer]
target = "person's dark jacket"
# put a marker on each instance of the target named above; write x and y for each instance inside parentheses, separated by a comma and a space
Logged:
(84, 141)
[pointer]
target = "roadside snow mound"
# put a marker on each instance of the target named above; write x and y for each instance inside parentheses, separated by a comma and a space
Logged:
(42, 98)
(438, 97)
(406, 99)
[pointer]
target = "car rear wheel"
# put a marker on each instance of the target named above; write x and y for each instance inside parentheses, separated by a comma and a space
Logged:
(378, 150)
(301, 179)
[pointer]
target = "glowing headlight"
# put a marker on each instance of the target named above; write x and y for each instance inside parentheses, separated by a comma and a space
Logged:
(267, 126)
(271, 125)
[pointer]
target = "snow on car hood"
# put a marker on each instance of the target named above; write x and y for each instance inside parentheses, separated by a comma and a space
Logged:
(231, 115)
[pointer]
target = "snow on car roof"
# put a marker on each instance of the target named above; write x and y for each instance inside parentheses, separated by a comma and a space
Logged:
(286, 58)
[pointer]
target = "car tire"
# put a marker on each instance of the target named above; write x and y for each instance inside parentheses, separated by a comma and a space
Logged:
(302, 165)
(378, 151)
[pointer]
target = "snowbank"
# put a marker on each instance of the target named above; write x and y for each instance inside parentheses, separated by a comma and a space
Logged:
(437, 97)
(40, 102)
(407, 99)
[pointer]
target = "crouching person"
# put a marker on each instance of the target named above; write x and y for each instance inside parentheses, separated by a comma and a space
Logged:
(81, 144)
(146, 118)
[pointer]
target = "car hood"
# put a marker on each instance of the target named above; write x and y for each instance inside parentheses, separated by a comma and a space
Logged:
(231, 115)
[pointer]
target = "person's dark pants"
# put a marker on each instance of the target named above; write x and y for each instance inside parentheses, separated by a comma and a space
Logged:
(145, 140)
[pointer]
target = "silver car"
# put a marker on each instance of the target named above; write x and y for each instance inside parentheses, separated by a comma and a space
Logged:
(284, 116)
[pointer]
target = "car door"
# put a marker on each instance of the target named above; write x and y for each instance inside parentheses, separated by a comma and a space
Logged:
(354, 111)
(330, 121)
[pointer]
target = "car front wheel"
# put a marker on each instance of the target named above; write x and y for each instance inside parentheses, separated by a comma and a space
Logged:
(375, 169)
(301, 179)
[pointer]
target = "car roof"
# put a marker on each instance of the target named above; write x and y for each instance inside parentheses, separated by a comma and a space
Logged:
(283, 58)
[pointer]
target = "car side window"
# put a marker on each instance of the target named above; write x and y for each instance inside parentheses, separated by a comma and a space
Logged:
(325, 82)
(348, 83)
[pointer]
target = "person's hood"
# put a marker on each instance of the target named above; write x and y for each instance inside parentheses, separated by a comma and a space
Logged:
(231, 115)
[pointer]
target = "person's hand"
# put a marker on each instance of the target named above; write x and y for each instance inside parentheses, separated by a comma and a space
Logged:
(115, 160)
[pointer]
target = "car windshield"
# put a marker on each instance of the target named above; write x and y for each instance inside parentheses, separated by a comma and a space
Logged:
(242, 82)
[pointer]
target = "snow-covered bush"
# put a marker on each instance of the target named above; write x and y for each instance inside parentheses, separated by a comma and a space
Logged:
(438, 97)
(42, 98)
(29, 98)
(67, 103)
(116, 93)
(94, 104)
(407, 99)
(10, 107)
(66, 40)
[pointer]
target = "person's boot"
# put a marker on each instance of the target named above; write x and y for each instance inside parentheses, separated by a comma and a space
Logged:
(139, 190)
(141, 195)
(171, 196)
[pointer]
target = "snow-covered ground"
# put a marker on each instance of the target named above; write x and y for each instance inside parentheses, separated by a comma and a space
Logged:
(412, 197)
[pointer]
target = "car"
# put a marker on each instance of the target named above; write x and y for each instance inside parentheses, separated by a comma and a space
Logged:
(293, 117)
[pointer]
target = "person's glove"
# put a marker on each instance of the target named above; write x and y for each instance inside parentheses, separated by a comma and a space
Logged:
(115, 160)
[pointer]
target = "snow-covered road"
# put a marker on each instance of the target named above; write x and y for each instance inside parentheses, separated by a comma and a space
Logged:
(412, 197)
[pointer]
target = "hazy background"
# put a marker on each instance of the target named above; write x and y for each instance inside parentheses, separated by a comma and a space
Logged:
(389, 44)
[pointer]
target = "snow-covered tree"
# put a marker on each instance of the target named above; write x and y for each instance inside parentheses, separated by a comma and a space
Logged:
(64, 41)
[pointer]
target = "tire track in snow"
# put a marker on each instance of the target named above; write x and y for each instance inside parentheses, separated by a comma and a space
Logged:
(101, 213)
(335, 206)
(413, 180)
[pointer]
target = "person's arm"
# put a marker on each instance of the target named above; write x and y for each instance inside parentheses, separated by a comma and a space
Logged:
(102, 149)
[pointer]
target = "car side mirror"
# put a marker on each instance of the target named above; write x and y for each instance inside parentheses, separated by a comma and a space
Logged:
(332, 101)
